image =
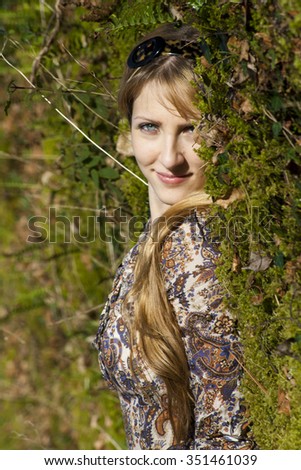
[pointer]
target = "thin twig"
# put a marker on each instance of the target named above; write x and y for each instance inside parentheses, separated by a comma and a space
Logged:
(262, 388)
(91, 73)
(13, 87)
(7, 332)
(73, 123)
(25, 157)
(72, 93)
(42, 13)
(284, 129)
(77, 316)
(64, 206)
(48, 40)
(110, 438)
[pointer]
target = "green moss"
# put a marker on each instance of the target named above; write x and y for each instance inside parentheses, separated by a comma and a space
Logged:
(256, 156)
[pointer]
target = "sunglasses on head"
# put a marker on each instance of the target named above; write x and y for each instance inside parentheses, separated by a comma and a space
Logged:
(148, 50)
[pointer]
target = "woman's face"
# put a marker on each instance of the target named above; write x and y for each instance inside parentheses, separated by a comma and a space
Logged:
(164, 146)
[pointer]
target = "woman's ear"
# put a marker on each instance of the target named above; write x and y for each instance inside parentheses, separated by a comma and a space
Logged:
(124, 144)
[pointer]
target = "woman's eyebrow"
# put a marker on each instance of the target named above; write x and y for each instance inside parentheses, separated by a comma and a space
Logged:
(146, 118)
(155, 121)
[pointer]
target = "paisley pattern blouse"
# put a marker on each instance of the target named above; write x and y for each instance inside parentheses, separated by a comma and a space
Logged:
(211, 343)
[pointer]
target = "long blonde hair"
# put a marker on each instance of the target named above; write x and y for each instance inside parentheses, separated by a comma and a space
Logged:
(153, 321)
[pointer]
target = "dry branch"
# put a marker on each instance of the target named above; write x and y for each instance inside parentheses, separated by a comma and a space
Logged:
(58, 12)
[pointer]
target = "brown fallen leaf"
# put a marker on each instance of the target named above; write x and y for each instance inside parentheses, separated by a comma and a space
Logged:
(266, 39)
(258, 262)
(240, 47)
(284, 405)
(257, 299)
(236, 263)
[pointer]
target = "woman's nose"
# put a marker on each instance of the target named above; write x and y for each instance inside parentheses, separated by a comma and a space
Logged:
(171, 154)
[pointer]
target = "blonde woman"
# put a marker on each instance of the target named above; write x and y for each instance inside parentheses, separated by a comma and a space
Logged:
(166, 344)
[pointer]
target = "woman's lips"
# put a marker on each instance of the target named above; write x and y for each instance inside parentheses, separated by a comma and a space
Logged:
(172, 179)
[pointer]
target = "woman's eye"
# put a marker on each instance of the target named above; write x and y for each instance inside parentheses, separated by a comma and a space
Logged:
(148, 127)
(189, 129)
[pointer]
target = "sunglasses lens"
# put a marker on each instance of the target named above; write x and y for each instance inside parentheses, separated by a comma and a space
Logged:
(146, 52)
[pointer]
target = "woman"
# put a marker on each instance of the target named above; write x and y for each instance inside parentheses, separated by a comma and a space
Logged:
(165, 341)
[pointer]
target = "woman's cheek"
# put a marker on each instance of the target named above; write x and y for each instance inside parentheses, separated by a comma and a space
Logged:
(145, 154)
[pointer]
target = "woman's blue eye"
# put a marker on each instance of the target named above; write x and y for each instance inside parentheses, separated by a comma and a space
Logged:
(149, 127)
(189, 129)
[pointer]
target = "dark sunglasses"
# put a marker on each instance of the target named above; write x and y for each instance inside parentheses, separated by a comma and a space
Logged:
(148, 50)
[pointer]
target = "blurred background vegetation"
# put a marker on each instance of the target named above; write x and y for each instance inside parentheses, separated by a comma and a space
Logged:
(56, 269)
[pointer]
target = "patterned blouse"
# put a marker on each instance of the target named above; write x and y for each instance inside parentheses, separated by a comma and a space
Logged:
(188, 264)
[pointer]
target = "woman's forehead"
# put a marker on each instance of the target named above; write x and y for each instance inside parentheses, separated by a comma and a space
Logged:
(154, 90)
(177, 101)
(154, 96)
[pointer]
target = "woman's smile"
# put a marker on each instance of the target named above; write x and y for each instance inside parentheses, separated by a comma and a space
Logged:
(172, 179)
(164, 144)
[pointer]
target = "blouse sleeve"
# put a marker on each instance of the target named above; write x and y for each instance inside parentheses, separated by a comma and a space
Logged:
(210, 338)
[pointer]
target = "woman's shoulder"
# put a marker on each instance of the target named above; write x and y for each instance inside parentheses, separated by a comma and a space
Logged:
(189, 243)
(193, 230)
(189, 256)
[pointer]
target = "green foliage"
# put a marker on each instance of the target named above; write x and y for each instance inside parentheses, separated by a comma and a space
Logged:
(138, 14)
(258, 151)
(52, 289)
